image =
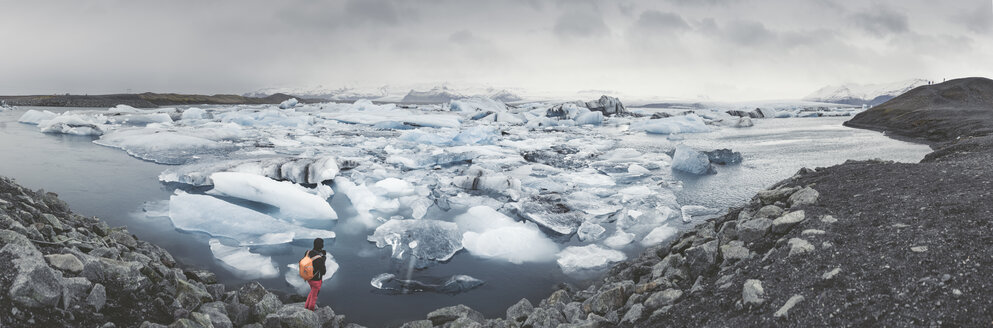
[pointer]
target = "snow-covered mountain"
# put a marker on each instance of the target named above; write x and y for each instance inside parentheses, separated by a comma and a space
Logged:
(321, 92)
(434, 94)
(867, 94)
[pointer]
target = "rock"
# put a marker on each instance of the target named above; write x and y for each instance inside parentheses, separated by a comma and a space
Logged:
(634, 314)
(446, 314)
(752, 292)
(520, 311)
(799, 246)
(670, 268)
(542, 317)
(292, 316)
(190, 295)
(123, 238)
(735, 250)
(831, 274)
(805, 196)
(753, 229)
(147, 324)
(238, 313)
(723, 156)
(784, 311)
(663, 298)
(463, 323)
(217, 313)
(775, 195)
(573, 312)
(74, 290)
(918, 249)
(608, 299)
(769, 211)
(812, 232)
(65, 262)
(784, 223)
(418, 324)
(701, 259)
(34, 284)
(52, 221)
(98, 297)
(560, 296)
(260, 301)
(828, 219)
(113, 272)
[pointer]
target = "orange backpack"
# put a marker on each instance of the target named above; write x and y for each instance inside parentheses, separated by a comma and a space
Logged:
(307, 266)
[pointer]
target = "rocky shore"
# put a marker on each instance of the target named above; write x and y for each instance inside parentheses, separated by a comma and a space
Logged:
(864, 243)
(59, 269)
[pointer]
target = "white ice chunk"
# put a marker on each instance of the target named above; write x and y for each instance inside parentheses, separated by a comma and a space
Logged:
(293, 200)
(576, 258)
(619, 239)
(77, 124)
(142, 119)
(595, 118)
(490, 234)
(689, 211)
(122, 109)
(474, 104)
(288, 103)
(163, 146)
(242, 262)
(222, 219)
(393, 188)
(424, 239)
(589, 231)
(689, 160)
(193, 113)
(690, 123)
(35, 117)
(658, 235)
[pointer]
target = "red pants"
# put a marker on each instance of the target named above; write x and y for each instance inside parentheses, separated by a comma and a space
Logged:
(315, 287)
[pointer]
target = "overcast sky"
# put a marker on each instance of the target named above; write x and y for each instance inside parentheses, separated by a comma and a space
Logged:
(716, 49)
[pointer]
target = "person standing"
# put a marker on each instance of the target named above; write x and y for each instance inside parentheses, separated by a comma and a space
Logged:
(317, 255)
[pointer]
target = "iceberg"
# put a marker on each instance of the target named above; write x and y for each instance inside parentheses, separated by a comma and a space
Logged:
(288, 103)
(82, 125)
(293, 201)
(423, 239)
(242, 262)
(594, 118)
(619, 239)
(589, 231)
(35, 117)
(690, 123)
(163, 146)
(393, 188)
(689, 211)
(456, 284)
(202, 213)
(689, 160)
(193, 113)
(490, 234)
(589, 257)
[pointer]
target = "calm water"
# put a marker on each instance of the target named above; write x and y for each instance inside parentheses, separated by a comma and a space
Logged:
(106, 182)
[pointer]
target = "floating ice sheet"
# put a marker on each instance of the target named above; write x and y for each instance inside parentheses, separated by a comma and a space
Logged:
(242, 262)
(456, 284)
(163, 146)
(424, 239)
(292, 275)
(218, 218)
(578, 258)
(490, 234)
(293, 201)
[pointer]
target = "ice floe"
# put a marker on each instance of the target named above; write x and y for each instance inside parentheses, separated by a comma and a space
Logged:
(243, 262)
(292, 200)
(218, 218)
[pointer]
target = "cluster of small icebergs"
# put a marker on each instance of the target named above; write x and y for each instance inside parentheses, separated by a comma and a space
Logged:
(536, 182)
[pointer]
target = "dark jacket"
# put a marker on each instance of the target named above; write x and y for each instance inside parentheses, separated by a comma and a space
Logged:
(319, 268)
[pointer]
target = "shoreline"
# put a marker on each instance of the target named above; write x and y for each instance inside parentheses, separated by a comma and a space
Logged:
(769, 262)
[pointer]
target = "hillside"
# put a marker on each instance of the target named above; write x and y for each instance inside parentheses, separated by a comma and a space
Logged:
(935, 113)
(143, 100)
(859, 94)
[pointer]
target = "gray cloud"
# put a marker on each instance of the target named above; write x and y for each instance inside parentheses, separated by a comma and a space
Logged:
(657, 21)
(882, 21)
(580, 25)
(724, 49)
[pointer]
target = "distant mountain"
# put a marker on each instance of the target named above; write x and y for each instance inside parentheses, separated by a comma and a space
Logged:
(143, 100)
(504, 96)
(867, 94)
(320, 92)
(436, 95)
